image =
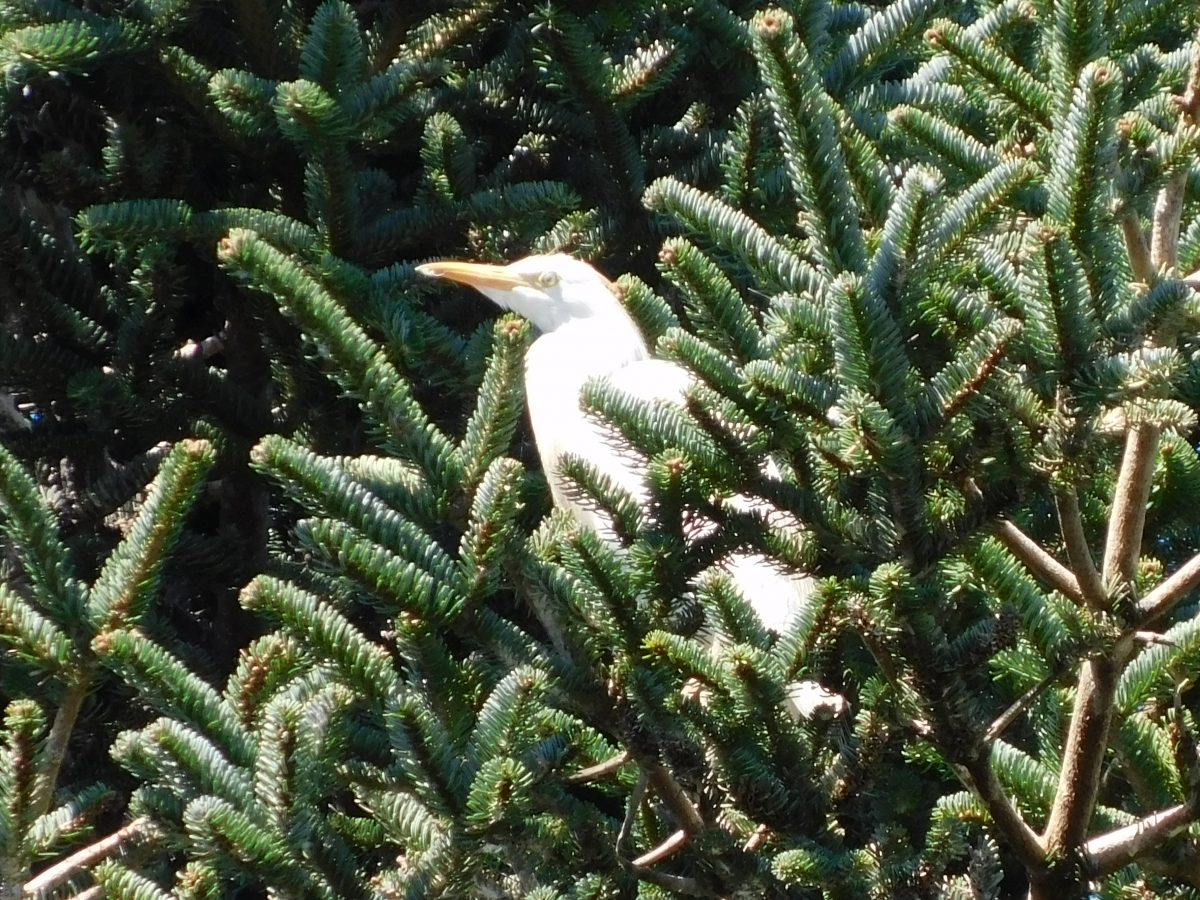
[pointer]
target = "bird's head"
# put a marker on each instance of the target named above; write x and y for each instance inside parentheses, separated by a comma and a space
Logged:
(550, 291)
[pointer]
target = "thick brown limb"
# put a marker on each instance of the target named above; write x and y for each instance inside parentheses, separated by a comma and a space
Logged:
(1070, 522)
(1083, 756)
(1164, 598)
(1107, 853)
(981, 778)
(1123, 547)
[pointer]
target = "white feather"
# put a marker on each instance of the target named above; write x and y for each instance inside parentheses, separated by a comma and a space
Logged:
(588, 334)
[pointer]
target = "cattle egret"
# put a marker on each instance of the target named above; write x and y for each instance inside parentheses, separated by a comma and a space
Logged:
(587, 333)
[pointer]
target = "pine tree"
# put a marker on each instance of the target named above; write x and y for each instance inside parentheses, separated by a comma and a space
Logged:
(137, 136)
(936, 272)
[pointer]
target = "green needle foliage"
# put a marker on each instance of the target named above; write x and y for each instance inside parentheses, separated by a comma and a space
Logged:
(62, 637)
(932, 269)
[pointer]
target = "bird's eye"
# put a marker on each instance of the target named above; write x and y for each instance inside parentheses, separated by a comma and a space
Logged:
(547, 279)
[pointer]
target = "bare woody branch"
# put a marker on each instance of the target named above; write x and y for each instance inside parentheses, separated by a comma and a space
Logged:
(1038, 561)
(676, 800)
(1168, 206)
(1164, 598)
(981, 778)
(600, 770)
(49, 879)
(1070, 521)
(56, 742)
(1018, 706)
(1127, 518)
(663, 851)
(1107, 853)
(635, 799)
(1168, 210)
(1135, 245)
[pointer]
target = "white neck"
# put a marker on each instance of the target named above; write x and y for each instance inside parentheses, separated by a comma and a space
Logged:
(556, 368)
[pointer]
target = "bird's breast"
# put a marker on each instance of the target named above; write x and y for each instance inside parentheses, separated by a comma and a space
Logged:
(557, 367)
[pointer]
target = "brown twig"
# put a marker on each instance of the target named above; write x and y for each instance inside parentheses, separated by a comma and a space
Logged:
(47, 880)
(1135, 245)
(600, 770)
(56, 742)
(980, 777)
(635, 798)
(1107, 853)
(1038, 561)
(1127, 518)
(1014, 711)
(1070, 522)
(674, 797)
(756, 840)
(538, 601)
(1163, 598)
(663, 851)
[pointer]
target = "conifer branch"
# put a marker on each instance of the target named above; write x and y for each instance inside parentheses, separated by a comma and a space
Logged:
(1071, 523)
(665, 850)
(1037, 560)
(1109, 852)
(1127, 516)
(981, 777)
(48, 879)
(1168, 206)
(1015, 709)
(1136, 246)
(56, 742)
(1163, 598)
(598, 771)
(1083, 756)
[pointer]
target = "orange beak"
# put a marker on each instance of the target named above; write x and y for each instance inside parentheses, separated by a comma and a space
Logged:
(477, 275)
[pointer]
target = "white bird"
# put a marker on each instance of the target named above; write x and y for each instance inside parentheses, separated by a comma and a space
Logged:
(587, 333)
